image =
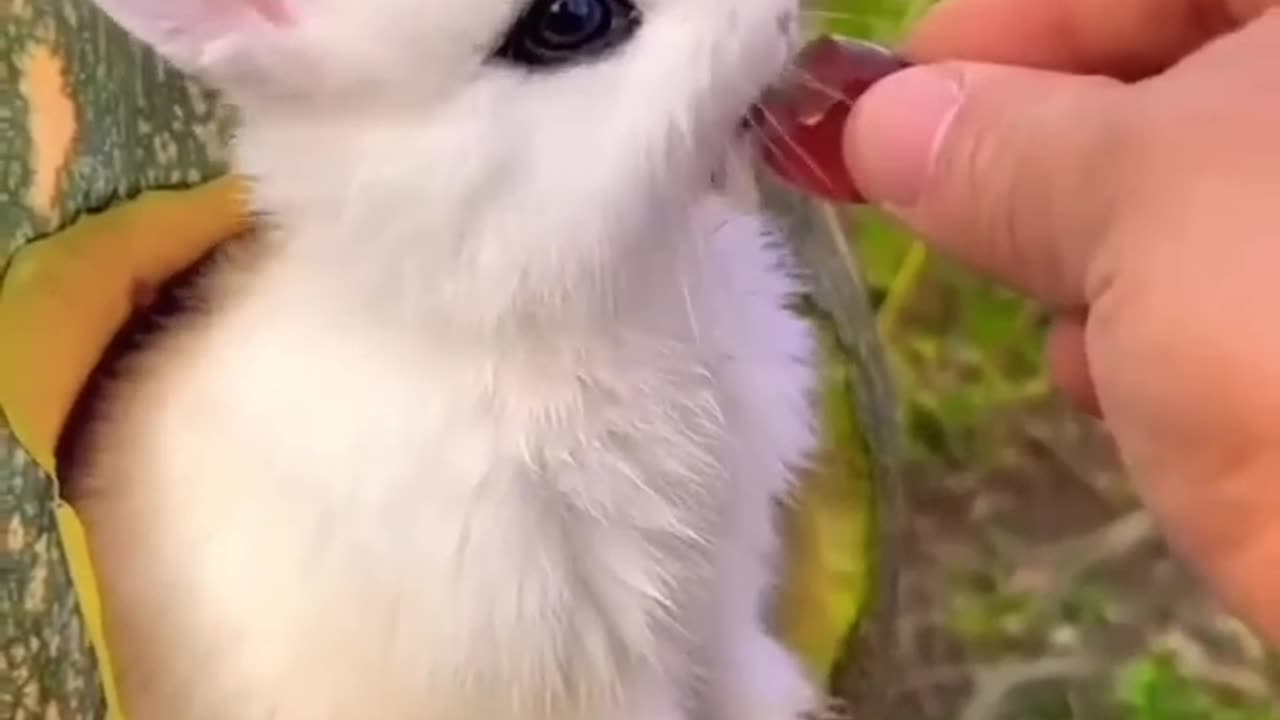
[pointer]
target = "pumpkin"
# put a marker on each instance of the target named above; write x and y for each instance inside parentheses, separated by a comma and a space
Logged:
(113, 179)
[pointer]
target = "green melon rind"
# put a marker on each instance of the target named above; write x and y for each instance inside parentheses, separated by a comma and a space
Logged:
(861, 437)
(141, 126)
(48, 668)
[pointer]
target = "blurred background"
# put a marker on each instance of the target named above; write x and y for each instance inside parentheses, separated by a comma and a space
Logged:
(1034, 587)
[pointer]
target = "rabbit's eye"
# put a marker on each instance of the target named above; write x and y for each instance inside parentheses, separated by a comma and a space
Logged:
(551, 32)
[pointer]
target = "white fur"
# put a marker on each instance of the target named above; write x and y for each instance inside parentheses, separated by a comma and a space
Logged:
(495, 425)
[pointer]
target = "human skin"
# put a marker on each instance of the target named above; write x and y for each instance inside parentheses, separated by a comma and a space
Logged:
(1120, 163)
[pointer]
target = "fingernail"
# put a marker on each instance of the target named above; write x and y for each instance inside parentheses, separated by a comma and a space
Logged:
(896, 132)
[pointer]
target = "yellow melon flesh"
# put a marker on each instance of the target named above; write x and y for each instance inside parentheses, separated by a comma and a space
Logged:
(64, 297)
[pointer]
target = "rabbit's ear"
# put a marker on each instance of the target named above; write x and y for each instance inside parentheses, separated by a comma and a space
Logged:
(187, 31)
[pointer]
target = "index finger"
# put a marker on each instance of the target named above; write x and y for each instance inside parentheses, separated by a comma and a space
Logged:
(1127, 39)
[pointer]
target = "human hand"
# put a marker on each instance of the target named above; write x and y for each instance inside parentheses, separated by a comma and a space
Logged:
(1131, 182)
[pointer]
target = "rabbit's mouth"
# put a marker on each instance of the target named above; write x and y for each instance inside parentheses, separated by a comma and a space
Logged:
(799, 123)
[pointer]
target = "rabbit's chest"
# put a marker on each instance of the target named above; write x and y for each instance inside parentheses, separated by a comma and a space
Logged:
(525, 523)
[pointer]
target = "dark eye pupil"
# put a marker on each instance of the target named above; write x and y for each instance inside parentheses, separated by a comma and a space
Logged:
(566, 23)
(552, 32)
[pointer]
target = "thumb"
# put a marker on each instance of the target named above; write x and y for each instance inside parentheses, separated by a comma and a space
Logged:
(1013, 171)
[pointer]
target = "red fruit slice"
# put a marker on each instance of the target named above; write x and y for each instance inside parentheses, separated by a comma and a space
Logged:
(801, 121)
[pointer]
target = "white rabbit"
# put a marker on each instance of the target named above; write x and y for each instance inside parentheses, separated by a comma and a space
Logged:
(491, 419)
